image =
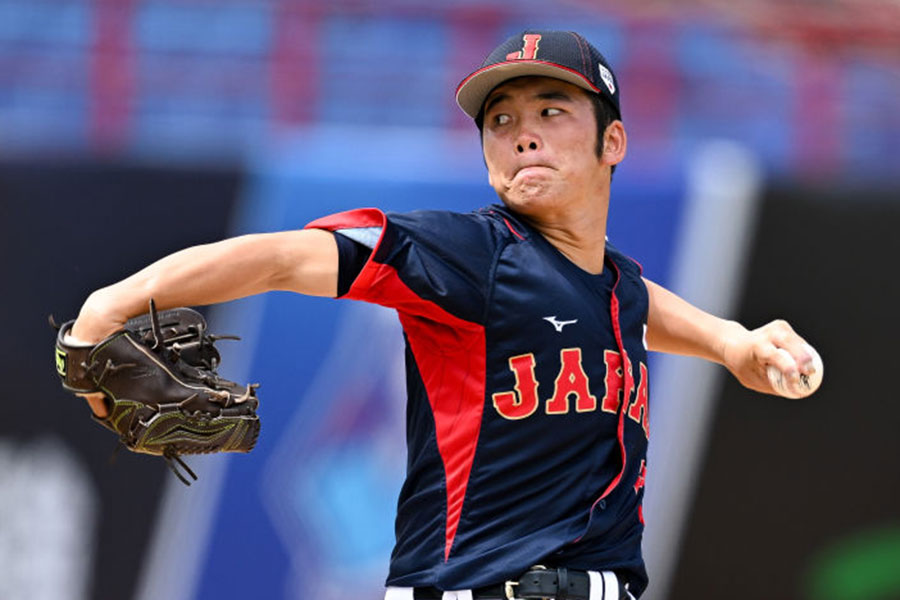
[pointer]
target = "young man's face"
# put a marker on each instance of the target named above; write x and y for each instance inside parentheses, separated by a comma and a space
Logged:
(540, 137)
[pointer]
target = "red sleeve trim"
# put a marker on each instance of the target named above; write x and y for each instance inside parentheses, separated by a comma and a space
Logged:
(360, 217)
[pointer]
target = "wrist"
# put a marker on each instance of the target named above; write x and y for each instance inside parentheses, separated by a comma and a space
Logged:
(96, 320)
(729, 338)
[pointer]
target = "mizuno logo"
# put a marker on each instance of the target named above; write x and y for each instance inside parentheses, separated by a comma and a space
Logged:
(558, 325)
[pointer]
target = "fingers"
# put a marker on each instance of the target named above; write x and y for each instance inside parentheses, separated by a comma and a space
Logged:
(774, 359)
(71, 340)
(793, 367)
(784, 361)
(97, 402)
(797, 355)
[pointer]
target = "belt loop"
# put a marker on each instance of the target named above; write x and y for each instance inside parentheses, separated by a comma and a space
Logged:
(610, 585)
(596, 586)
(562, 583)
(398, 593)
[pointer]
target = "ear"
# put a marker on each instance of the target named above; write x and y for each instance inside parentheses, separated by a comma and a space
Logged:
(615, 143)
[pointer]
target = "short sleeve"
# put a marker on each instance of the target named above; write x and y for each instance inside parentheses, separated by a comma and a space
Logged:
(352, 257)
(421, 260)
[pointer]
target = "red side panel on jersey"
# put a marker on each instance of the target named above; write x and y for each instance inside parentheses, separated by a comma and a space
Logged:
(455, 380)
(450, 354)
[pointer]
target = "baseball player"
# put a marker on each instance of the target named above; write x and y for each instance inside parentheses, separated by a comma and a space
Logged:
(526, 334)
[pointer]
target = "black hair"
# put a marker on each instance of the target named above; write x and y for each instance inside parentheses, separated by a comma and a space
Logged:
(604, 114)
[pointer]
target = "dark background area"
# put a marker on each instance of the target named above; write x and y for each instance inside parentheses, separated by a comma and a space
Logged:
(66, 230)
(785, 479)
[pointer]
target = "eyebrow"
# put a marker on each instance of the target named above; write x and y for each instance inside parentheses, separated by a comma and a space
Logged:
(550, 95)
(554, 95)
(495, 100)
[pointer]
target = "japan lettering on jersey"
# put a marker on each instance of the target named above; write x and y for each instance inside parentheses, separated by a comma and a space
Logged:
(527, 385)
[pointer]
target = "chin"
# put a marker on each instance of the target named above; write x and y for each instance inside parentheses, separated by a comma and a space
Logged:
(529, 200)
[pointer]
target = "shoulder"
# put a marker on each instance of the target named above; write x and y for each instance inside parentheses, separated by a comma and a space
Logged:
(443, 223)
(446, 232)
(445, 258)
(489, 223)
(631, 288)
(623, 262)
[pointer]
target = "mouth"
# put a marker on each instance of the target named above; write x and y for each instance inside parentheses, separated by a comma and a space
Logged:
(528, 169)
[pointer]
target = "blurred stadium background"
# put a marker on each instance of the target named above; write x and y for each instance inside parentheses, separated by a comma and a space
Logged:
(763, 181)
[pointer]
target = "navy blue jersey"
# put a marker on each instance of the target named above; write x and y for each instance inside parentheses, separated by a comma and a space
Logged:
(527, 418)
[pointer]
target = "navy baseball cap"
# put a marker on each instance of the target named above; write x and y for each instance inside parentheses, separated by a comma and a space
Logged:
(559, 54)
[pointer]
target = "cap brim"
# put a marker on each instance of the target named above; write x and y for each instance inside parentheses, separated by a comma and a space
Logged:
(473, 90)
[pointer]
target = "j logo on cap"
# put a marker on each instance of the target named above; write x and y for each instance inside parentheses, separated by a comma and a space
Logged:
(561, 55)
(529, 50)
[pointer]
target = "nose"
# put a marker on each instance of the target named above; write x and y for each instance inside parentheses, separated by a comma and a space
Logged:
(527, 140)
(522, 146)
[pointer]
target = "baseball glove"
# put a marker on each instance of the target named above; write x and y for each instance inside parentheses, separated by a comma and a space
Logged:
(159, 378)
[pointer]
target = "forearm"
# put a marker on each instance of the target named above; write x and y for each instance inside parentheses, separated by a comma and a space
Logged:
(675, 326)
(194, 276)
(301, 261)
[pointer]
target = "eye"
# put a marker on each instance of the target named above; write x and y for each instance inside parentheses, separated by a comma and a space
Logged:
(551, 112)
(501, 119)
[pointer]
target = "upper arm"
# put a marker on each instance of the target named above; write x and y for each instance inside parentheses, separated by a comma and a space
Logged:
(306, 261)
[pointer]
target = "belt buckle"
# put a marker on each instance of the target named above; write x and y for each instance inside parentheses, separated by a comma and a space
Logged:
(508, 586)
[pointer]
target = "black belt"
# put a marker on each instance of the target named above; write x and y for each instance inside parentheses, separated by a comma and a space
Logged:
(560, 584)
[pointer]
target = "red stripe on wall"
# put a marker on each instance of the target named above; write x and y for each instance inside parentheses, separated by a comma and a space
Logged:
(112, 76)
(294, 73)
(472, 30)
(817, 114)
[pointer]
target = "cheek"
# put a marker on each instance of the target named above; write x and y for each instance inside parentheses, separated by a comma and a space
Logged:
(582, 138)
(581, 152)
(492, 161)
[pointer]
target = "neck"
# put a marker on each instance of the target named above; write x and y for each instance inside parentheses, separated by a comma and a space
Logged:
(580, 237)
